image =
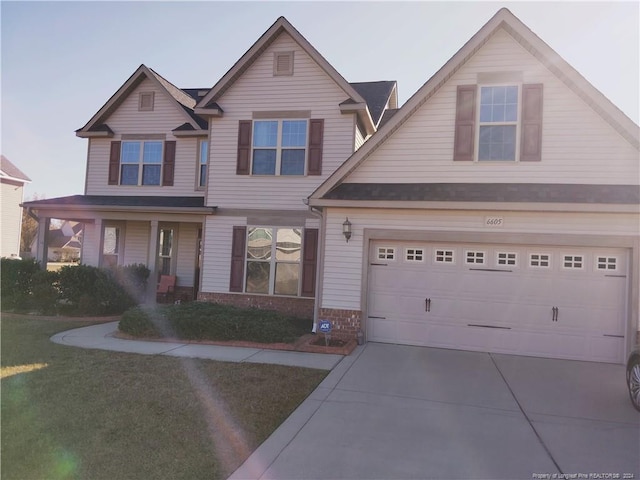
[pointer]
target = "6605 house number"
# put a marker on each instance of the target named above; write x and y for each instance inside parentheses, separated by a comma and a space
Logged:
(493, 221)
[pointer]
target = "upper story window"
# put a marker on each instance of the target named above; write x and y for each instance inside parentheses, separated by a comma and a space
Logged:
(498, 123)
(203, 154)
(148, 161)
(285, 146)
(279, 147)
(141, 163)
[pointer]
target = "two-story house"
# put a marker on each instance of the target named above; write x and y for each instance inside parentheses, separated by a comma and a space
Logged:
(496, 210)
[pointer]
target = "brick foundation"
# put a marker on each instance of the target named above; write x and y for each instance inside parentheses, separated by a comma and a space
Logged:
(299, 307)
(346, 323)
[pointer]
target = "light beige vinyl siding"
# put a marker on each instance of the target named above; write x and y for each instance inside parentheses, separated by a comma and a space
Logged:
(257, 90)
(186, 253)
(217, 252)
(343, 264)
(127, 120)
(10, 219)
(578, 146)
(359, 138)
(136, 243)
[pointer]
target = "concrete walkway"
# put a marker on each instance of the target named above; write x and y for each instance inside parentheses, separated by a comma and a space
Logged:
(102, 337)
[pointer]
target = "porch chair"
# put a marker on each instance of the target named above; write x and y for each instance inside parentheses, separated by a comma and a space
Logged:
(166, 289)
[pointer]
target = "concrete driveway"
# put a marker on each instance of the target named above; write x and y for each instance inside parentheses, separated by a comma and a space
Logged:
(395, 412)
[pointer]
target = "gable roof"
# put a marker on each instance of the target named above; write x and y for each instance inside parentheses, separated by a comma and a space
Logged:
(184, 101)
(531, 42)
(208, 106)
(10, 172)
(377, 95)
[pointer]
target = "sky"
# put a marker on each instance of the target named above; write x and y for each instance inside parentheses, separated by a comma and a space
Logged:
(62, 61)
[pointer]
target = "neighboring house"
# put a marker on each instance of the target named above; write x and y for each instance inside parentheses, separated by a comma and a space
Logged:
(497, 210)
(12, 182)
(63, 244)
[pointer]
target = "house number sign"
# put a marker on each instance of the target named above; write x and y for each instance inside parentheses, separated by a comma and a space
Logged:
(493, 221)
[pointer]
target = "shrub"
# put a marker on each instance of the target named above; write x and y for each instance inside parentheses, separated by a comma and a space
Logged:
(134, 279)
(45, 292)
(17, 283)
(211, 321)
(87, 290)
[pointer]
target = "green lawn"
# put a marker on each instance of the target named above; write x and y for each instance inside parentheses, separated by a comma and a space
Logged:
(68, 412)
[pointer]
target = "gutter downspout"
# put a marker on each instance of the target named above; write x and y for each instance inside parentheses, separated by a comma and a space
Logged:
(320, 264)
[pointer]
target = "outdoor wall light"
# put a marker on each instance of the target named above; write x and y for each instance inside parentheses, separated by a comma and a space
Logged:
(346, 229)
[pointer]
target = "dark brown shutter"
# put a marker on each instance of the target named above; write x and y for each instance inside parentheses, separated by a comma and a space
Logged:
(237, 258)
(316, 134)
(309, 262)
(244, 148)
(465, 123)
(114, 163)
(531, 140)
(169, 163)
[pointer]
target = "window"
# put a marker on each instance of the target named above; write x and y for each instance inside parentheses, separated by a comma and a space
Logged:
(573, 262)
(504, 258)
(279, 147)
(165, 251)
(386, 253)
(273, 261)
(607, 263)
(444, 256)
(145, 101)
(414, 254)
(539, 260)
(141, 163)
(476, 258)
(111, 247)
(203, 155)
(498, 123)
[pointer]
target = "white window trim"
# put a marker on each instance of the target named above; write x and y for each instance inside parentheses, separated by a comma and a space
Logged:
(444, 256)
(573, 257)
(199, 164)
(549, 260)
(517, 123)
(387, 249)
(422, 254)
(273, 262)
(120, 245)
(596, 263)
(279, 148)
(141, 163)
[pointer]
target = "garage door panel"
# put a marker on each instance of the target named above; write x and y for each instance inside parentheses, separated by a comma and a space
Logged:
(554, 302)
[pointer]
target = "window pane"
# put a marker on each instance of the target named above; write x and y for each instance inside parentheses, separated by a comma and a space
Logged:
(292, 162)
(203, 175)
(151, 175)
(499, 104)
(129, 175)
(288, 244)
(165, 266)
(286, 279)
(265, 134)
(166, 241)
(204, 148)
(264, 162)
(294, 133)
(258, 277)
(130, 152)
(497, 142)
(111, 240)
(152, 152)
(259, 243)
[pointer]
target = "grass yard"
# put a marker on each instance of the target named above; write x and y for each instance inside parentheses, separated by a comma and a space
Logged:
(73, 413)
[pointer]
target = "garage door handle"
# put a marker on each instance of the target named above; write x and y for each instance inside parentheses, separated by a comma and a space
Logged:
(554, 313)
(427, 304)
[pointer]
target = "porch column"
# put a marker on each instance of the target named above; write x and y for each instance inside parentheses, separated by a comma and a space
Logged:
(42, 243)
(152, 262)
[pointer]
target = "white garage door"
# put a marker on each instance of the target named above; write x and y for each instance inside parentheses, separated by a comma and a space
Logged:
(560, 302)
